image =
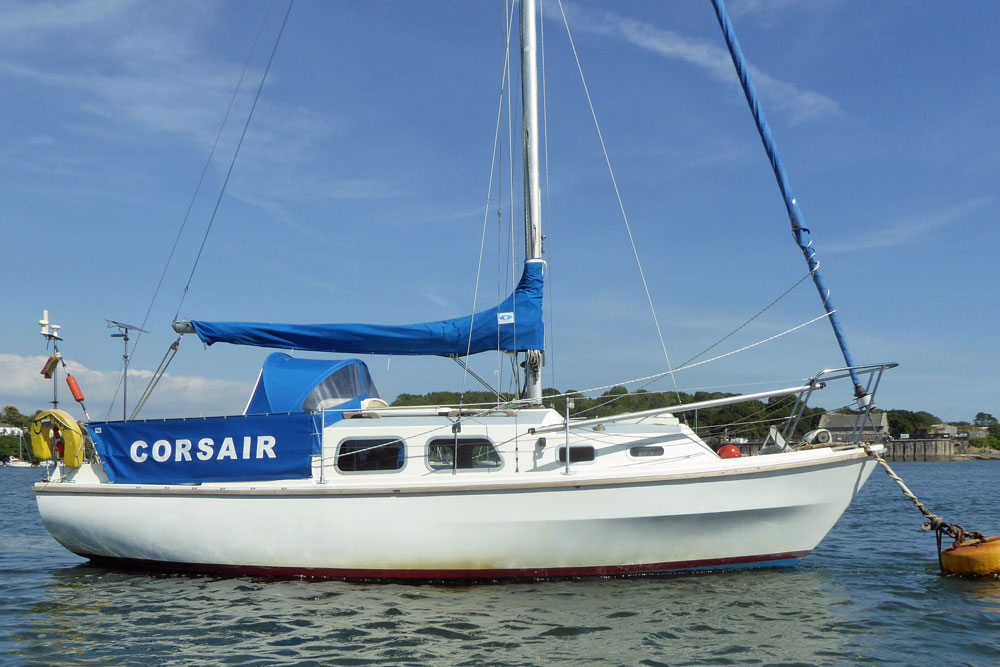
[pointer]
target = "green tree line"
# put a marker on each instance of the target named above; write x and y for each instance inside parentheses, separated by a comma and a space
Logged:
(749, 419)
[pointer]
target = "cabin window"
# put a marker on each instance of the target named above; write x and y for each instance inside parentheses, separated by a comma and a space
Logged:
(655, 450)
(577, 454)
(371, 455)
(473, 454)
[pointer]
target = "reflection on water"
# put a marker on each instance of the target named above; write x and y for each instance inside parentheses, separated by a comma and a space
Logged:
(870, 593)
(694, 619)
(985, 591)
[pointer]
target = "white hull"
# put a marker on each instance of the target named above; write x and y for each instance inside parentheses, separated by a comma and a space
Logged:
(18, 464)
(770, 510)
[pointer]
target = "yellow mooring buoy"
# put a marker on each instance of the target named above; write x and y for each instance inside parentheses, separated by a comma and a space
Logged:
(977, 558)
(971, 555)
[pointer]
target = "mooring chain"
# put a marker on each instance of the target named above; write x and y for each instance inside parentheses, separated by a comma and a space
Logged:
(934, 522)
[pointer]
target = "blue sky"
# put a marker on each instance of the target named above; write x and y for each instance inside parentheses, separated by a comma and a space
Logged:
(360, 191)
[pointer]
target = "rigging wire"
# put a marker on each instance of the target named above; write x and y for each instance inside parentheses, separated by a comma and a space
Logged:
(236, 154)
(194, 197)
(479, 378)
(689, 390)
(740, 426)
(505, 46)
(546, 244)
(687, 364)
(486, 213)
(650, 379)
(500, 358)
(508, 35)
(744, 422)
(760, 342)
(157, 376)
(69, 375)
(621, 205)
(511, 268)
(759, 313)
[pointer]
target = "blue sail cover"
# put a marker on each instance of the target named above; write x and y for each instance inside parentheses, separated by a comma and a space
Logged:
(513, 326)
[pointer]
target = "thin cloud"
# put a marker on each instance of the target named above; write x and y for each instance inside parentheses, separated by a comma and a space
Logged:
(149, 68)
(48, 15)
(178, 103)
(745, 7)
(179, 395)
(153, 79)
(463, 214)
(446, 302)
(796, 103)
(910, 229)
(367, 188)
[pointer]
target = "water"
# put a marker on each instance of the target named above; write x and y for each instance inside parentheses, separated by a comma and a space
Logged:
(871, 592)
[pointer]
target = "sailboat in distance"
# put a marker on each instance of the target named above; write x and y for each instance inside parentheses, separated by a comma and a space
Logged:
(321, 478)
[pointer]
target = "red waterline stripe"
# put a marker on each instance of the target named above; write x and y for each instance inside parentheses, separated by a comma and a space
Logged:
(776, 559)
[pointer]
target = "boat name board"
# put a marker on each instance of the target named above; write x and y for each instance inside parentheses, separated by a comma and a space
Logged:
(182, 451)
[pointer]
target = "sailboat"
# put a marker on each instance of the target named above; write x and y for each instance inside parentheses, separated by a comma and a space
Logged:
(321, 478)
(19, 460)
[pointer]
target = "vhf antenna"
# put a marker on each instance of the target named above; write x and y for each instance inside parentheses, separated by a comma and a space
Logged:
(123, 330)
(50, 332)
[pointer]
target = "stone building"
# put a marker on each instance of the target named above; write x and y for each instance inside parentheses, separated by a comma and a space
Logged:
(840, 426)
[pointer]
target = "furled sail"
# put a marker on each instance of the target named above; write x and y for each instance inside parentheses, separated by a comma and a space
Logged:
(513, 326)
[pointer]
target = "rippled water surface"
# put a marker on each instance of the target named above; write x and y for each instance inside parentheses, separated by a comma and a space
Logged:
(871, 592)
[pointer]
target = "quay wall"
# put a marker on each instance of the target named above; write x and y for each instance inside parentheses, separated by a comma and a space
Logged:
(919, 450)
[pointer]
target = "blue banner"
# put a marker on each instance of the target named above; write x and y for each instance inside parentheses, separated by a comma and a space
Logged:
(214, 449)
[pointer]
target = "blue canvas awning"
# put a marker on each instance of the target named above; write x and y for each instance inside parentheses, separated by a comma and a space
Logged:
(513, 326)
(287, 384)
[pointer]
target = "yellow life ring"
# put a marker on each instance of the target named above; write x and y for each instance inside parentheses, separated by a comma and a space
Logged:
(47, 426)
(975, 557)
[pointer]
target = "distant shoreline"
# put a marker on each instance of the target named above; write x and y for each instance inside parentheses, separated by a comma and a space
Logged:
(897, 451)
(986, 455)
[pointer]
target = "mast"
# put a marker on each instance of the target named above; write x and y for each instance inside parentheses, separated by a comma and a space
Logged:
(532, 192)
